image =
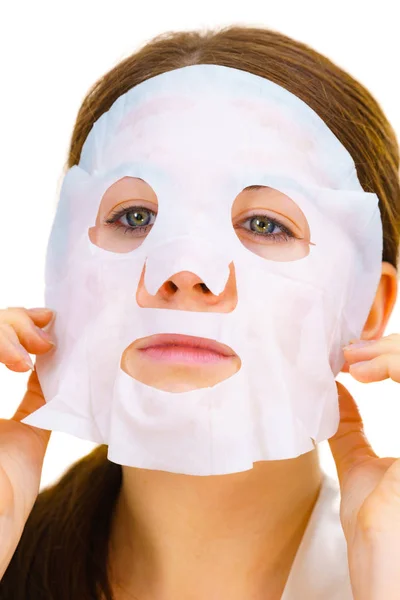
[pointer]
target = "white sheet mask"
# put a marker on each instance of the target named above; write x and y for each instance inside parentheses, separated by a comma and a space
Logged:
(191, 140)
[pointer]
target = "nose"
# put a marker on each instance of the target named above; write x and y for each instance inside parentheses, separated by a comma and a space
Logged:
(186, 291)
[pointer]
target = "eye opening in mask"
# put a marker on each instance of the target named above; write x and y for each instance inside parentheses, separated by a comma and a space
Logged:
(136, 209)
(266, 221)
(126, 214)
(265, 210)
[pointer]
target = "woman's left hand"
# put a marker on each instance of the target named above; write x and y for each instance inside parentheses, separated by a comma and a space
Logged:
(370, 486)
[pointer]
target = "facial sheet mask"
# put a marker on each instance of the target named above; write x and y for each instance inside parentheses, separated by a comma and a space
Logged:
(195, 138)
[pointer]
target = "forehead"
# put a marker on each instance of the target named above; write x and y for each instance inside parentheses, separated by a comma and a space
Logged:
(215, 112)
(216, 131)
(213, 117)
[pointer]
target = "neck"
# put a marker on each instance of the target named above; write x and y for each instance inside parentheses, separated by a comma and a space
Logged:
(223, 536)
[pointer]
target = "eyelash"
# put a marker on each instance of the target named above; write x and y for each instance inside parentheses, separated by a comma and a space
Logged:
(116, 215)
(286, 234)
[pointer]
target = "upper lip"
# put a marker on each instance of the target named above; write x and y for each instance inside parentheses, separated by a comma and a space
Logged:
(175, 339)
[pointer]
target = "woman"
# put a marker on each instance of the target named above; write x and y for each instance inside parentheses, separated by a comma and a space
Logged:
(107, 532)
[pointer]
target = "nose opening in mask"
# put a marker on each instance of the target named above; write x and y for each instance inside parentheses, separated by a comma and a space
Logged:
(185, 290)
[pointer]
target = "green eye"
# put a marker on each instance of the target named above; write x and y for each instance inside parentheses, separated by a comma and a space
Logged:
(265, 228)
(262, 225)
(137, 218)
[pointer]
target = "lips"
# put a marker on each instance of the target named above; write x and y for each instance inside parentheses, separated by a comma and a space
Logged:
(187, 341)
(186, 350)
(179, 363)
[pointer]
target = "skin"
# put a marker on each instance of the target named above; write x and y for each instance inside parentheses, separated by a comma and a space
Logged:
(222, 536)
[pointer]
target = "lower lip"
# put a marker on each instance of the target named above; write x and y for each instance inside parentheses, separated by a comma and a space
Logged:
(183, 354)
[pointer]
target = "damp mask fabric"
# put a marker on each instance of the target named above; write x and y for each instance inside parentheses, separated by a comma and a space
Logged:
(198, 136)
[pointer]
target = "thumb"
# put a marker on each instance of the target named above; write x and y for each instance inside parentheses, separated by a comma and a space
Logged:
(349, 445)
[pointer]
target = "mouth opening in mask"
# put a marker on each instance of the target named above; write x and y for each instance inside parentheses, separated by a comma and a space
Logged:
(177, 363)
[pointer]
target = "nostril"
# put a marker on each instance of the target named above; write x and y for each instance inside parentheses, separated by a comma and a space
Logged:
(204, 288)
(172, 286)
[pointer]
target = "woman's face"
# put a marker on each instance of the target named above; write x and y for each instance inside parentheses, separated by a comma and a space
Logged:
(266, 221)
(190, 213)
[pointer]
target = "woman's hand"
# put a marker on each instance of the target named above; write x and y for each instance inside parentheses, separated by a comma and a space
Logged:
(22, 447)
(370, 486)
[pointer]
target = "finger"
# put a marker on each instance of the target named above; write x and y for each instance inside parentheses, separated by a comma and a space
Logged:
(41, 316)
(385, 366)
(372, 348)
(16, 315)
(32, 400)
(13, 355)
(27, 334)
(349, 445)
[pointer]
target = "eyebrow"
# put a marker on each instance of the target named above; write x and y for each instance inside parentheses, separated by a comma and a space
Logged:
(253, 187)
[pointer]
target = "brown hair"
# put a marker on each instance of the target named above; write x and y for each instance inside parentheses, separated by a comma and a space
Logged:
(63, 550)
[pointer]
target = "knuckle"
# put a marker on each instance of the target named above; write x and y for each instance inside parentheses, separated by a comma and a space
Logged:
(7, 330)
(7, 327)
(15, 310)
(12, 314)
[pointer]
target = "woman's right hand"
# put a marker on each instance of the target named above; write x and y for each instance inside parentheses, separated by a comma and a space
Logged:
(22, 447)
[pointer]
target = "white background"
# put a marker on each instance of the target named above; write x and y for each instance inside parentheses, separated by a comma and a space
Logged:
(52, 52)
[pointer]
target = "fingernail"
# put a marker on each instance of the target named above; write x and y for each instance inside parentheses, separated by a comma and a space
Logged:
(44, 335)
(50, 323)
(24, 354)
(38, 309)
(360, 344)
(29, 362)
